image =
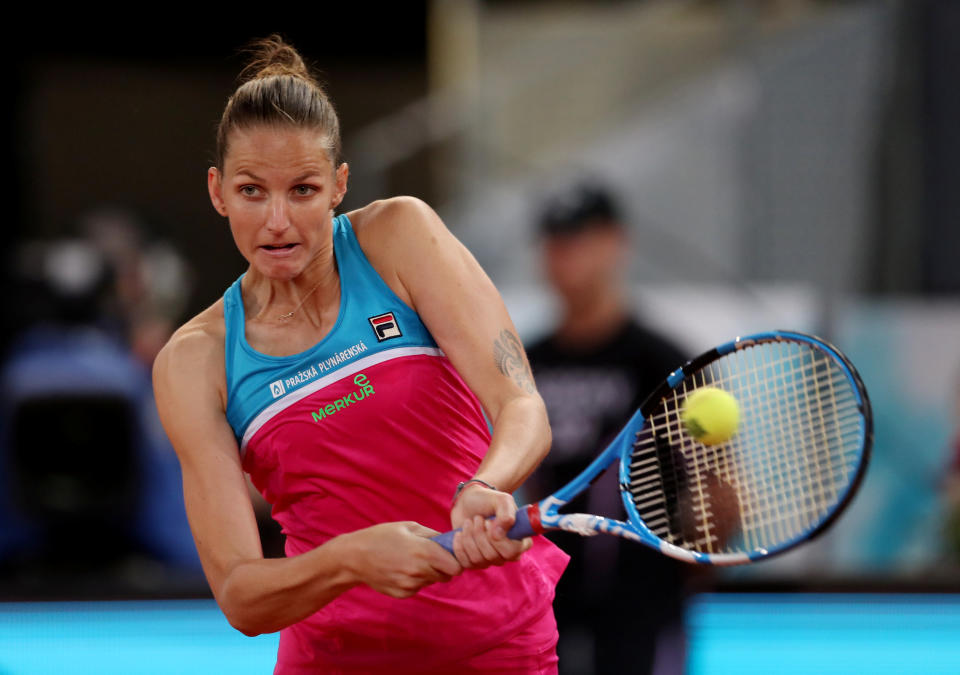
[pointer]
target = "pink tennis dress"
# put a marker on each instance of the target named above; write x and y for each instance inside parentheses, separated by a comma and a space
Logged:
(373, 424)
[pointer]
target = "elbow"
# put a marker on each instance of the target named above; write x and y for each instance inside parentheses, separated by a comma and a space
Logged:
(242, 619)
(240, 612)
(249, 632)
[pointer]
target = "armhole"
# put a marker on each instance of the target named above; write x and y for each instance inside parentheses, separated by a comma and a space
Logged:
(370, 272)
(230, 308)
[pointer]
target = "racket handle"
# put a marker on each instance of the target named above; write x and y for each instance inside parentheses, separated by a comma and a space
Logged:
(521, 529)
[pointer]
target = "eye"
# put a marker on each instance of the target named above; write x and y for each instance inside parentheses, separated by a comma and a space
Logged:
(249, 190)
(304, 190)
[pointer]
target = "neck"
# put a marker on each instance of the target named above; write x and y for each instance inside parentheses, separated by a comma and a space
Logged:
(307, 296)
(588, 323)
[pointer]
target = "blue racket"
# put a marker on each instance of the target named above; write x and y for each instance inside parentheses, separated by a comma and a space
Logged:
(797, 458)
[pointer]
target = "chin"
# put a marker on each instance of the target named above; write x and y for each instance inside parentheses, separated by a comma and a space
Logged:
(280, 271)
(283, 268)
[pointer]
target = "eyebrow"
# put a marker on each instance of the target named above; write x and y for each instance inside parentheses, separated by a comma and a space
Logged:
(299, 178)
(252, 175)
(304, 176)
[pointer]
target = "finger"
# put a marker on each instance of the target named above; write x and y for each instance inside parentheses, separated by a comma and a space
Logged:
(484, 529)
(428, 576)
(444, 563)
(509, 549)
(465, 546)
(504, 517)
(525, 545)
(423, 574)
(478, 543)
(515, 553)
(421, 530)
(482, 552)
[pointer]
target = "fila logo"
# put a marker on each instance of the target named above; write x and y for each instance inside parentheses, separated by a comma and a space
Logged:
(277, 388)
(385, 326)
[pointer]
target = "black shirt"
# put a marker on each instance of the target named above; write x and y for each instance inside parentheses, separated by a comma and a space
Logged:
(590, 393)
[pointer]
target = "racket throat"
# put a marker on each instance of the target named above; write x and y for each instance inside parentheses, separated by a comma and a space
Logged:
(532, 512)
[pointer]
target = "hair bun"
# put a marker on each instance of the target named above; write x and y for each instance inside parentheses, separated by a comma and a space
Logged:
(272, 56)
(277, 88)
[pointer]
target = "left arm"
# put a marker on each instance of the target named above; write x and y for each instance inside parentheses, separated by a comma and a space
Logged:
(437, 276)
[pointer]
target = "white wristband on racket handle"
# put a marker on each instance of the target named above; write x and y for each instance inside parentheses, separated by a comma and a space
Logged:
(527, 524)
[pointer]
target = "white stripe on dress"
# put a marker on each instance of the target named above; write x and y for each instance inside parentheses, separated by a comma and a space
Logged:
(284, 402)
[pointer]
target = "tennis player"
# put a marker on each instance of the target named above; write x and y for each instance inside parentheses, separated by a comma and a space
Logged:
(348, 371)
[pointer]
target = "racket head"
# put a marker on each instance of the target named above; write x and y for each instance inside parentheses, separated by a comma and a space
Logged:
(799, 455)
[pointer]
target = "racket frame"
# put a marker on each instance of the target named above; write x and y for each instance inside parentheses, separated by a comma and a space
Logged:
(544, 515)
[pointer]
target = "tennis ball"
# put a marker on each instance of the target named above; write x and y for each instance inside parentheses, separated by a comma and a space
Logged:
(710, 415)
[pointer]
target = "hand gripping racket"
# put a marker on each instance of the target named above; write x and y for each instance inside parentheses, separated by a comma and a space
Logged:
(798, 456)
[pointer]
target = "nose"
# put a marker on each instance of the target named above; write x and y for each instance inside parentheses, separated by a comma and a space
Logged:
(278, 218)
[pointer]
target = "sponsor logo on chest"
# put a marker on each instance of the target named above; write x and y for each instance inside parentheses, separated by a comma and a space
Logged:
(279, 388)
(364, 390)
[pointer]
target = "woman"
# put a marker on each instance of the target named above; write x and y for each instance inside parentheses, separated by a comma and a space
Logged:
(348, 372)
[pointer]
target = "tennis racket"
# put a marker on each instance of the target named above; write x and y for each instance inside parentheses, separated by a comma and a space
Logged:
(797, 459)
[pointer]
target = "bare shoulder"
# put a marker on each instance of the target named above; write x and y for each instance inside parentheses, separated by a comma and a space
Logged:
(200, 336)
(398, 235)
(194, 353)
(395, 219)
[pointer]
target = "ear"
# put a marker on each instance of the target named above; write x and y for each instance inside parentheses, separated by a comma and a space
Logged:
(340, 186)
(215, 188)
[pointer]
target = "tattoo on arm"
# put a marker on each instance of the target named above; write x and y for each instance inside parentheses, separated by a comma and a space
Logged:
(508, 354)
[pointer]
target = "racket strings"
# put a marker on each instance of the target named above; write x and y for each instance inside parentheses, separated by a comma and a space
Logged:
(783, 473)
(780, 522)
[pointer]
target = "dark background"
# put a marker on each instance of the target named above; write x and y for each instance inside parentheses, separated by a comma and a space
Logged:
(108, 113)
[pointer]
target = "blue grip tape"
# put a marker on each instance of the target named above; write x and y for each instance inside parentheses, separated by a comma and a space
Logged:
(521, 529)
(446, 539)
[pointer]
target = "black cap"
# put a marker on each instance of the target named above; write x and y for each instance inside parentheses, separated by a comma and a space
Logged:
(579, 208)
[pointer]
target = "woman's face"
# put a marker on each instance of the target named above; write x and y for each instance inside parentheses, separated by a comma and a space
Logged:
(278, 188)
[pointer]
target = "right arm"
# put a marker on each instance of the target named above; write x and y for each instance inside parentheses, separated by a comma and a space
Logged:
(260, 595)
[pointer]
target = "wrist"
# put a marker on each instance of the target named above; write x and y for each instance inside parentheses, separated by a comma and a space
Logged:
(351, 551)
(466, 484)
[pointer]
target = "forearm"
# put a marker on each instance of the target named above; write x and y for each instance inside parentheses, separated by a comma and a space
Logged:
(521, 439)
(265, 595)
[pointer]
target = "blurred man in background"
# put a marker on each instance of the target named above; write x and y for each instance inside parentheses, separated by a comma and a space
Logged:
(619, 605)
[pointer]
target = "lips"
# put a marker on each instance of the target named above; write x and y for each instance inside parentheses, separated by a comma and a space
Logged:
(278, 250)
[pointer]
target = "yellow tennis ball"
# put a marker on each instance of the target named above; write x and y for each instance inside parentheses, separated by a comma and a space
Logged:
(710, 415)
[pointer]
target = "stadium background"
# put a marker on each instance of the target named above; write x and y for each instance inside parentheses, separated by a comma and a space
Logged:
(784, 164)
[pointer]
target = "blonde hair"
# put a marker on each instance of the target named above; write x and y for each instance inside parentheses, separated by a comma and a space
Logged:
(278, 89)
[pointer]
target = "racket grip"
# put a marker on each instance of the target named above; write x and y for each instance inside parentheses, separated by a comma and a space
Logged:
(521, 529)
